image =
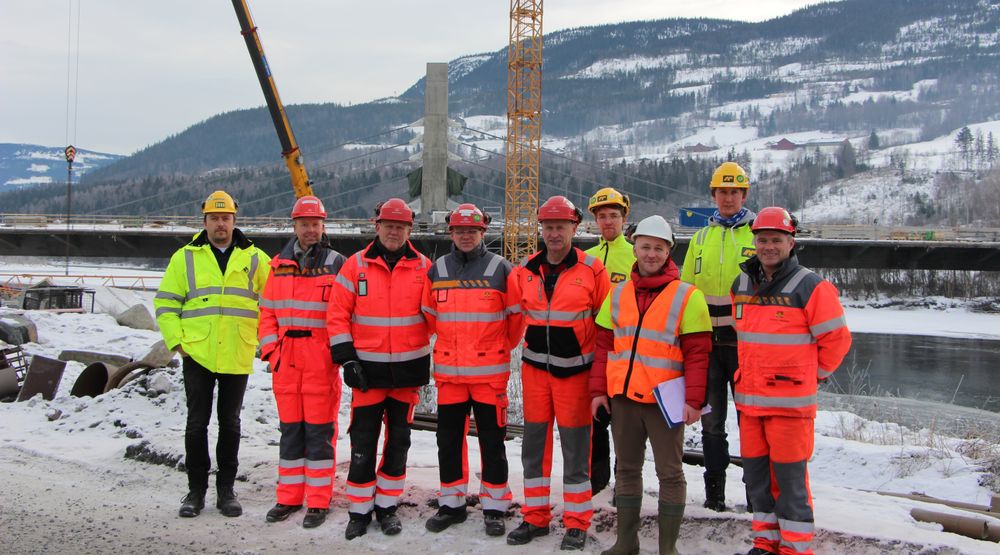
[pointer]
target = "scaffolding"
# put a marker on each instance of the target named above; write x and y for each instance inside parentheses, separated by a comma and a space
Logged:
(524, 126)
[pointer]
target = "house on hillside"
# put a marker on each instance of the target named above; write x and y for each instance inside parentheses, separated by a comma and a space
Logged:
(783, 144)
(823, 145)
(697, 148)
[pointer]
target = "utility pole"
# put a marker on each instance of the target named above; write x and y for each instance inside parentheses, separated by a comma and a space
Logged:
(70, 156)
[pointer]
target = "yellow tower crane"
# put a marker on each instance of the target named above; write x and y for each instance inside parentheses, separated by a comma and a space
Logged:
(524, 129)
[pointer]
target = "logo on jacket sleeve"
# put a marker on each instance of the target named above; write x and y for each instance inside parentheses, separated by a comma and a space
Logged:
(617, 277)
(747, 252)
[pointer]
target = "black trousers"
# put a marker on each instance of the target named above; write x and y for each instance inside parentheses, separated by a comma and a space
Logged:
(199, 386)
(452, 420)
(722, 365)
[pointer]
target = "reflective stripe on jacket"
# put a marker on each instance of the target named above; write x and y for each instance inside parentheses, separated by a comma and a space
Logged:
(476, 320)
(374, 314)
(560, 333)
(712, 263)
(792, 333)
(647, 345)
(295, 298)
(212, 316)
(617, 257)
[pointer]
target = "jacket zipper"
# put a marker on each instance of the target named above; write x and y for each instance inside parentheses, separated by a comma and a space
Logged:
(631, 358)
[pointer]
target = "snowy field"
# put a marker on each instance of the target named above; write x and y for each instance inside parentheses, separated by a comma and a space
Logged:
(70, 486)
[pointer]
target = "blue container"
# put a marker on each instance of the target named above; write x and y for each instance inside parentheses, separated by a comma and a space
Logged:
(695, 216)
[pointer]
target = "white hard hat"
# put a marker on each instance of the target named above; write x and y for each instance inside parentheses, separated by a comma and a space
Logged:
(655, 226)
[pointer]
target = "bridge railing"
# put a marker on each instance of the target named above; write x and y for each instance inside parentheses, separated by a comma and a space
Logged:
(367, 227)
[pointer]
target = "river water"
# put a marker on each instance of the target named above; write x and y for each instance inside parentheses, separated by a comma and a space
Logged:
(965, 372)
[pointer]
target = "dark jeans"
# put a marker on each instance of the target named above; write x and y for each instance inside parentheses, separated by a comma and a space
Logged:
(722, 365)
(199, 386)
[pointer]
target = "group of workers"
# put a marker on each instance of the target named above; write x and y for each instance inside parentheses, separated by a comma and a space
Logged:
(601, 332)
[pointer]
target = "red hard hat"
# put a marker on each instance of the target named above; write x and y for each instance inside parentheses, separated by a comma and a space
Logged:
(394, 209)
(308, 207)
(559, 208)
(467, 215)
(776, 218)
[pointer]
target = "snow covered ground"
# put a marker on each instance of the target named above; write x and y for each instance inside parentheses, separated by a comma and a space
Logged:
(70, 486)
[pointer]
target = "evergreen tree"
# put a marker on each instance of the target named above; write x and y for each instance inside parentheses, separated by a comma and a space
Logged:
(873, 141)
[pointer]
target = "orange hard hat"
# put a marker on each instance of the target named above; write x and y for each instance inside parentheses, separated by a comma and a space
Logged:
(308, 207)
(775, 218)
(394, 209)
(559, 208)
(467, 215)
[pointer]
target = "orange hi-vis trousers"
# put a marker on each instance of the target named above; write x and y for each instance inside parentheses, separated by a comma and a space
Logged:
(307, 392)
(775, 451)
(549, 400)
(366, 488)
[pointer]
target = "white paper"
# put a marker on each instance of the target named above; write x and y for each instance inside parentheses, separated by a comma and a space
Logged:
(670, 396)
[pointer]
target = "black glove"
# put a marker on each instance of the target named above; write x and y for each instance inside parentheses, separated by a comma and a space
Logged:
(603, 416)
(354, 375)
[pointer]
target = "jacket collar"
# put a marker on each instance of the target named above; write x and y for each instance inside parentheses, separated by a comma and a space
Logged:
(239, 239)
(466, 257)
(535, 262)
(747, 219)
(374, 250)
(616, 242)
(668, 273)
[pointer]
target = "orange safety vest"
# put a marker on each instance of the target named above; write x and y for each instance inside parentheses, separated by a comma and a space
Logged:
(561, 335)
(791, 333)
(647, 346)
(476, 320)
(377, 312)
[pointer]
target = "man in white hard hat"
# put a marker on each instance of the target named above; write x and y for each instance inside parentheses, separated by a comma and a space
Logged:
(652, 329)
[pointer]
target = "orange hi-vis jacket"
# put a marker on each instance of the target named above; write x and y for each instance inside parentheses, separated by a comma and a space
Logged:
(560, 334)
(296, 298)
(647, 346)
(791, 334)
(477, 321)
(374, 317)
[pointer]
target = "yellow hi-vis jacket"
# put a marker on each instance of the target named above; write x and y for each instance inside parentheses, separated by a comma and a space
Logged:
(617, 257)
(213, 317)
(712, 264)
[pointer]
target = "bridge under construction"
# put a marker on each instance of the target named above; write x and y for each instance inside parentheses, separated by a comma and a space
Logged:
(151, 237)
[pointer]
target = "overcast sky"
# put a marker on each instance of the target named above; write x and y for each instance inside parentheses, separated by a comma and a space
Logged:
(148, 70)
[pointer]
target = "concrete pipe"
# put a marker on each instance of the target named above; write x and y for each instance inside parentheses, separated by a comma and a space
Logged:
(92, 380)
(974, 527)
(125, 374)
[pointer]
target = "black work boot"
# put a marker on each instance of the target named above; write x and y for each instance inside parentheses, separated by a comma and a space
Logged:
(525, 532)
(758, 551)
(389, 521)
(357, 526)
(445, 517)
(226, 502)
(280, 512)
(574, 540)
(715, 493)
(493, 521)
(314, 517)
(192, 504)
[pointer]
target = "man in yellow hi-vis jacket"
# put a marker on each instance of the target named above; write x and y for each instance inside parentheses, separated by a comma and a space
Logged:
(207, 311)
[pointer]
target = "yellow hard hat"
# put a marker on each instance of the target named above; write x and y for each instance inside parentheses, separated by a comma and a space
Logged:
(219, 202)
(608, 197)
(729, 175)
